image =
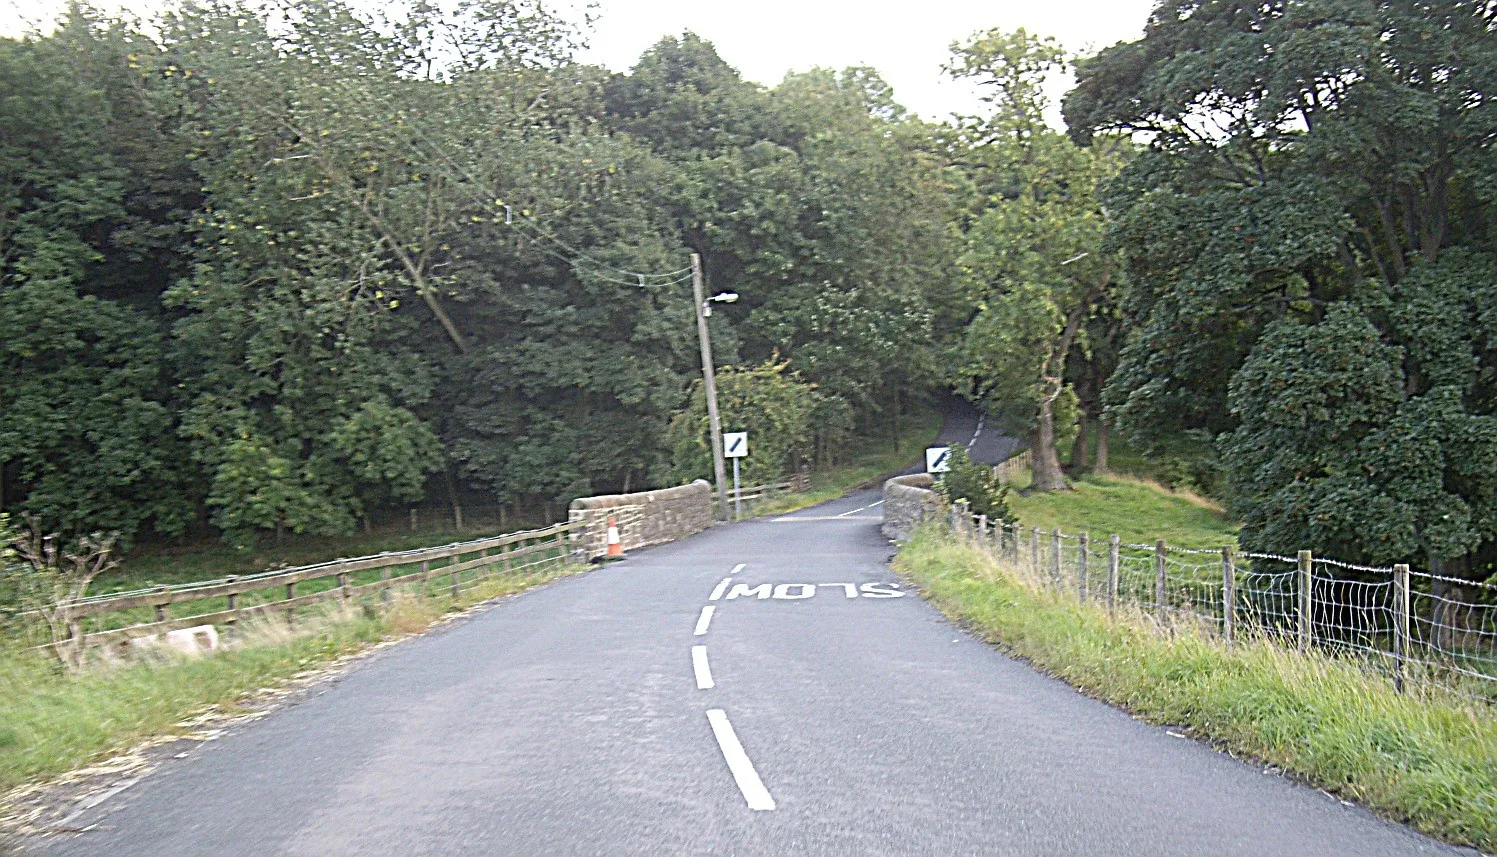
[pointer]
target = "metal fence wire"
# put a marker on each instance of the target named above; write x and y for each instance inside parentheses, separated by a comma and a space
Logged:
(1416, 626)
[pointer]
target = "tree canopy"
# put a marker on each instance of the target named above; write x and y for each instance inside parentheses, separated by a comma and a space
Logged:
(270, 273)
(1308, 243)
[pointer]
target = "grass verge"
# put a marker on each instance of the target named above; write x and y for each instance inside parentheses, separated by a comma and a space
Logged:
(1136, 509)
(1427, 759)
(877, 457)
(51, 723)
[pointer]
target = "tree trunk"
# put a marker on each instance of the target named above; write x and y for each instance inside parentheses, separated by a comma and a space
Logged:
(1443, 617)
(1044, 462)
(1079, 451)
(1100, 465)
(896, 420)
(457, 508)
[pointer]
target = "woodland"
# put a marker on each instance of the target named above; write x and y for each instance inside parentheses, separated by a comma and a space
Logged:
(279, 267)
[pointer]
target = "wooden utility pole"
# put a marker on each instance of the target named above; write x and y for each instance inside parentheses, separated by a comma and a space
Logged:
(709, 382)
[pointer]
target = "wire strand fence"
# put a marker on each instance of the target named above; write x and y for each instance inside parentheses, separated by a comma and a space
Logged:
(1415, 626)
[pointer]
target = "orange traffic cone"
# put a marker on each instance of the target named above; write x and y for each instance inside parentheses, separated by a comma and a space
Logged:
(615, 544)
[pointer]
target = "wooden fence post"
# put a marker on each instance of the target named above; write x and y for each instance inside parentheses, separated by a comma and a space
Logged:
(343, 594)
(425, 575)
(1161, 589)
(1081, 567)
(290, 611)
(1229, 596)
(1034, 552)
(384, 576)
(1114, 548)
(161, 607)
(456, 560)
(1400, 623)
(1055, 574)
(231, 626)
(1306, 564)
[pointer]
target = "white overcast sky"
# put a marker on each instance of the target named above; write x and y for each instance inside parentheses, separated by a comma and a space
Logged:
(906, 41)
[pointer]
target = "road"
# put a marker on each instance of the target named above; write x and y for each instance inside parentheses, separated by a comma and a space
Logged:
(968, 428)
(582, 718)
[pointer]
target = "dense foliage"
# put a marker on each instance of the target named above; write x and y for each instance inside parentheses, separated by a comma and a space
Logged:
(974, 484)
(1307, 235)
(279, 272)
(268, 272)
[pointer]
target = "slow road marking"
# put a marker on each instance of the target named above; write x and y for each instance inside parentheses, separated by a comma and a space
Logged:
(717, 591)
(737, 568)
(704, 620)
(799, 591)
(738, 762)
(699, 666)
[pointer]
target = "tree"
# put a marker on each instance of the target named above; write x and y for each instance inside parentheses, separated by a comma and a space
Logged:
(54, 579)
(1308, 246)
(1035, 252)
(86, 428)
(768, 401)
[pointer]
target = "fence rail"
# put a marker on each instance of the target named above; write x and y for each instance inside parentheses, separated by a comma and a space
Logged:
(1419, 627)
(796, 484)
(463, 565)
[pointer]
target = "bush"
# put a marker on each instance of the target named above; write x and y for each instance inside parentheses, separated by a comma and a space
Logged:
(975, 483)
(769, 402)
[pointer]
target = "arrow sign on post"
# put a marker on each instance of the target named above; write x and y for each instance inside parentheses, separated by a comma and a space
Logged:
(735, 444)
(938, 459)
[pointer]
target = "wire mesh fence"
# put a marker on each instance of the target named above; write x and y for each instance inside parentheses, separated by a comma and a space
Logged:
(1418, 627)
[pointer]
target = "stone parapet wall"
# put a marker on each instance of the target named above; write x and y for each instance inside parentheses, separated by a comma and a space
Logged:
(643, 518)
(909, 501)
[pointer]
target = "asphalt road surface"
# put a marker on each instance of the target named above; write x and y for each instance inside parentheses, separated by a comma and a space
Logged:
(702, 698)
(966, 427)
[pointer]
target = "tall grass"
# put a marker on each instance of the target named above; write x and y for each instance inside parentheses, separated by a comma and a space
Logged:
(51, 723)
(1428, 759)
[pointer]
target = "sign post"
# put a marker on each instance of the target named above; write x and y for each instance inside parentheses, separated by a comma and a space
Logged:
(938, 459)
(735, 446)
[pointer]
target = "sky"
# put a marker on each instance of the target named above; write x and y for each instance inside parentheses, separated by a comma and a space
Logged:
(907, 42)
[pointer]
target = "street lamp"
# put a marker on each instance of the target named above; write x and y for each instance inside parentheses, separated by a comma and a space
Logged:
(721, 298)
(709, 380)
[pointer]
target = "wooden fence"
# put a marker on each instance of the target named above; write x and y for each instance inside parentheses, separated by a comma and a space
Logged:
(798, 484)
(456, 566)
(119, 617)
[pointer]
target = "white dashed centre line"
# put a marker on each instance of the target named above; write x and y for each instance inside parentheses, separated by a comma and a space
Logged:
(738, 762)
(855, 511)
(699, 666)
(704, 620)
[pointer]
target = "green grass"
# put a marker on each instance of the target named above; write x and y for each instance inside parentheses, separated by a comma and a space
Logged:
(875, 457)
(1427, 759)
(1137, 510)
(51, 723)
